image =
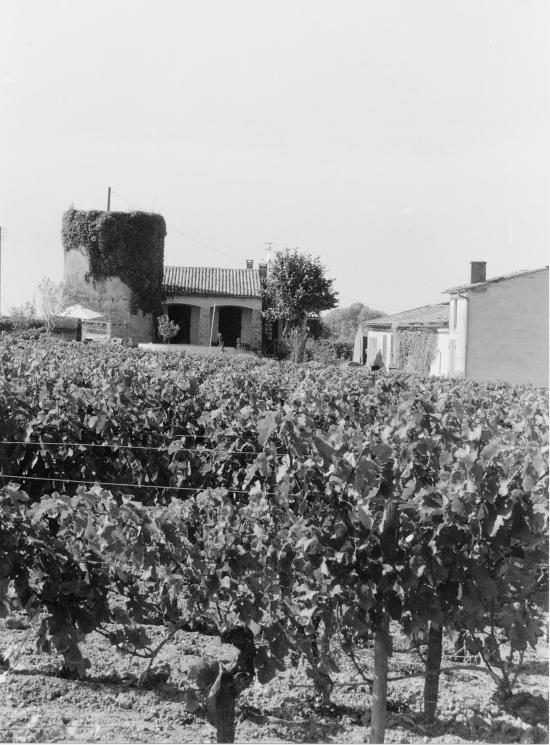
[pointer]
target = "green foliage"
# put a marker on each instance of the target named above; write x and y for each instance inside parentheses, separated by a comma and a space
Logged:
(167, 329)
(296, 285)
(329, 350)
(52, 300)
(125, 245)
(321, 502)
(417, 349)
(342, 323)
(24, 316)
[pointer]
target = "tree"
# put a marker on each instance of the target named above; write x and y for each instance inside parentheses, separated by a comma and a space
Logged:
(296, 287)
(52, 299)
(23, 315)
(55, 296)
(342, 323)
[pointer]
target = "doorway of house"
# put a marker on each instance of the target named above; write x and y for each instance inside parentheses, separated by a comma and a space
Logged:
(181, 314)
(229, 325)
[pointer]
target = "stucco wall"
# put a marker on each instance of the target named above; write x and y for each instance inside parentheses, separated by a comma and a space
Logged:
(507, 330)
(376, 344)
(109, 296)
(440, 364)
(201, 317)
(458, 333)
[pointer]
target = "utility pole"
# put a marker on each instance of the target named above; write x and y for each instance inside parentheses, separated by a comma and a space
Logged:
(108, 199)
(2, 235)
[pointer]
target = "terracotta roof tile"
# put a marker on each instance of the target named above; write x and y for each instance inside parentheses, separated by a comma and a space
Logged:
(197, 280)
(426, 315)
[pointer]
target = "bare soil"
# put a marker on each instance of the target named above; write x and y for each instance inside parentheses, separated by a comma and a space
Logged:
(37, 705)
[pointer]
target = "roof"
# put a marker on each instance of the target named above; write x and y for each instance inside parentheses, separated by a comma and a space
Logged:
(475, 285)
(197, 280)
(427, 315)
(78, 311)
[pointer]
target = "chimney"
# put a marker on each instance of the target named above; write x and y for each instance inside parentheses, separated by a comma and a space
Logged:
(478, 271)
(262, 269)
(250, 263)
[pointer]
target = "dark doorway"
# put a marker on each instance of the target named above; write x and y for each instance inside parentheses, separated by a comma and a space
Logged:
(181, 314)
(229, 325)
(270, 336)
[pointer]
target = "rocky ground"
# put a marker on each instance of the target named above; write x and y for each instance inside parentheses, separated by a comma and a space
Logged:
(37, 705)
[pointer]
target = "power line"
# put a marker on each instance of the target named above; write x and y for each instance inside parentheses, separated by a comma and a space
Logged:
(182, 233)
(374, 306)
(201, 243)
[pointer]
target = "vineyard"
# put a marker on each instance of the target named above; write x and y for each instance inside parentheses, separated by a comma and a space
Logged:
(310, 524)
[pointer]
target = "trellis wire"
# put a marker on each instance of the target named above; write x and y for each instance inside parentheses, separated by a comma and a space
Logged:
(152, 448)
(92, 482)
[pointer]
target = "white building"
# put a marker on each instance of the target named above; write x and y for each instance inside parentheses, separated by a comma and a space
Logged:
(498, 328)
(383, 335)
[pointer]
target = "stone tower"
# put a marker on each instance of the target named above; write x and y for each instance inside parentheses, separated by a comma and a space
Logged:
(114, 263)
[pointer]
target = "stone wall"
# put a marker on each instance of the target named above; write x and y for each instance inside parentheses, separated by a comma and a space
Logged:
(202, 307)
(109, 296)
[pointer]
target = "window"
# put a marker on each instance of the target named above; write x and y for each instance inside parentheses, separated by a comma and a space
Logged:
(454, 314)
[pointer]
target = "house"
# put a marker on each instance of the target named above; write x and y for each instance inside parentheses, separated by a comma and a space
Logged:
(386, 335)
(206, 300)
(498, 328)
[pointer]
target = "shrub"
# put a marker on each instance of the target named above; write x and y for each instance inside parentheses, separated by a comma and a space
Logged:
(329, 350)
(167, 328)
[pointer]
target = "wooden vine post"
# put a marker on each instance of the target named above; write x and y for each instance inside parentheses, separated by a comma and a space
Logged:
(433, 668)
(382, 641)
(380, 681)
(230, 683)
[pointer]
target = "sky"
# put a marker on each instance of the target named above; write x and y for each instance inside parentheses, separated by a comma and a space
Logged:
(396, 140)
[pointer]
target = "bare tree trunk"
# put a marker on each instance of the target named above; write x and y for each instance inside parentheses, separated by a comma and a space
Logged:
(380, 683)
(300, 339)
(433, 668)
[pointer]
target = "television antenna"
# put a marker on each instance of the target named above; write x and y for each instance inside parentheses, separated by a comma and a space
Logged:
(268, 250)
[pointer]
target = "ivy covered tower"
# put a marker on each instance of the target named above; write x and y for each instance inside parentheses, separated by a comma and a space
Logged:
(114, 263)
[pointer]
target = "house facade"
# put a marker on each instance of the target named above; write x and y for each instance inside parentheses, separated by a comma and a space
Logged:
(498, 328)
(383, 335)
(205, 301)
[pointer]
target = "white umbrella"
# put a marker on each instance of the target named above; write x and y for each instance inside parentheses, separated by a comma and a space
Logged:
(78, 311)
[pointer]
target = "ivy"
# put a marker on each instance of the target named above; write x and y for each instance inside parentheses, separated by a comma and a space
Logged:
(416, 350)
(120, 244)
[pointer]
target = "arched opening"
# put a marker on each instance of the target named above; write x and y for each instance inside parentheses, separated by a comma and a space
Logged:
(181, 314)
(230, 324)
